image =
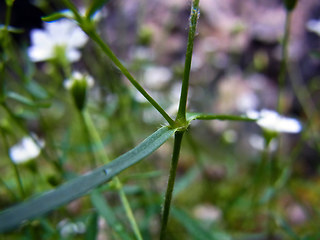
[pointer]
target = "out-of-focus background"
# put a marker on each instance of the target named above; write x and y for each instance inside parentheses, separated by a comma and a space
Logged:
(235, 69)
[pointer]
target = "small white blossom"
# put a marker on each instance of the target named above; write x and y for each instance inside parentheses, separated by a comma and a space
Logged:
(314, 26)
(156, 77)
(61, 34)
(272, 121)
(78, 86)
(78, 77)
(207, 212)
(259, 143)
(26, 150)
(68, 229)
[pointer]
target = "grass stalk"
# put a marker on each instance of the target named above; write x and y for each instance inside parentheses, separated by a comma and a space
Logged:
(102, 156)
(194, 16)
(4, 41)
(172, 175)
(14, 166)
(181, 117)
(284, 62)
(93, 160)
(95, 37)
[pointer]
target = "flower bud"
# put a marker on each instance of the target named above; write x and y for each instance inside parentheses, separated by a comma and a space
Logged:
(78, 85)
(290, 4)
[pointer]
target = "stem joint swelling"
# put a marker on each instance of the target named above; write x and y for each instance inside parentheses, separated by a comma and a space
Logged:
(181, 125)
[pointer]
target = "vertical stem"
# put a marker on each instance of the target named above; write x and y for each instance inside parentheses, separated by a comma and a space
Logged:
(128, 209)
(284, 61)
(14, 195)
(88, 139)
(4, 43)
(102, 156)
(194, 16)
(47, 156)
(14, 166)
(174, 163)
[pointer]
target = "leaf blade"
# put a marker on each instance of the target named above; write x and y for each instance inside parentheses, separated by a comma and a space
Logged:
(203, 116)
(78, 187)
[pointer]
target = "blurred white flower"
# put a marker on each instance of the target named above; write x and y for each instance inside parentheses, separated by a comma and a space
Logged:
(68, 228)
(78, 86)
(27, 149)
(314, 26)
(142, 53)
(236, 94)
(272, 121)
(156, 77)
(258, 142)
(62, 34)
(78, 77)
(207, 212)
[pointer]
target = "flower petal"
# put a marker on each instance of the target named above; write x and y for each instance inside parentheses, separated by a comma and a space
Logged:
(77, 38)
(73, 55)
(38, 54)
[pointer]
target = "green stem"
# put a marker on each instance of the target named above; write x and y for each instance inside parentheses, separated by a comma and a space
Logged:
(88, 139)
(5, 41)
(173, 169)
(14, 166)
(128, 209)
(194, 16)
(96, 140)
(284, 60)
(47, 156)
(95, 37)
(13, 194)
(270, 173)
(74, 9)
(102, 156)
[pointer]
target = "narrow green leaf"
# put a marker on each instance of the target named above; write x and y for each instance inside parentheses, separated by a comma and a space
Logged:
(27, 101)
(192, 226)
(286, 228)
(78, 187)
(106, 212)
(186, 180)
(58, 15)
(203, 116)
(95, 6)
(10, 29)
(37, 90)
(92, 226)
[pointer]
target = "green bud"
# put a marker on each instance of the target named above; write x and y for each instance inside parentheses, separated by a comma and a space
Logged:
(145, 36)
(78, 86)
(9, 2)
(290, 4)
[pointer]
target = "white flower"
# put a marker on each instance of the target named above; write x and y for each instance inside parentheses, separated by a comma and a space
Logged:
(78, 77)
(272, 121)
(68, 228)
(314, 26)
(259, 143)
(207, 212)
(78, 85)
(26, 150)
(156, 77)
(62, 34)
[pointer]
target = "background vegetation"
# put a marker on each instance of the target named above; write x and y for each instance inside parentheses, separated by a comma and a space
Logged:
(231, 182)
